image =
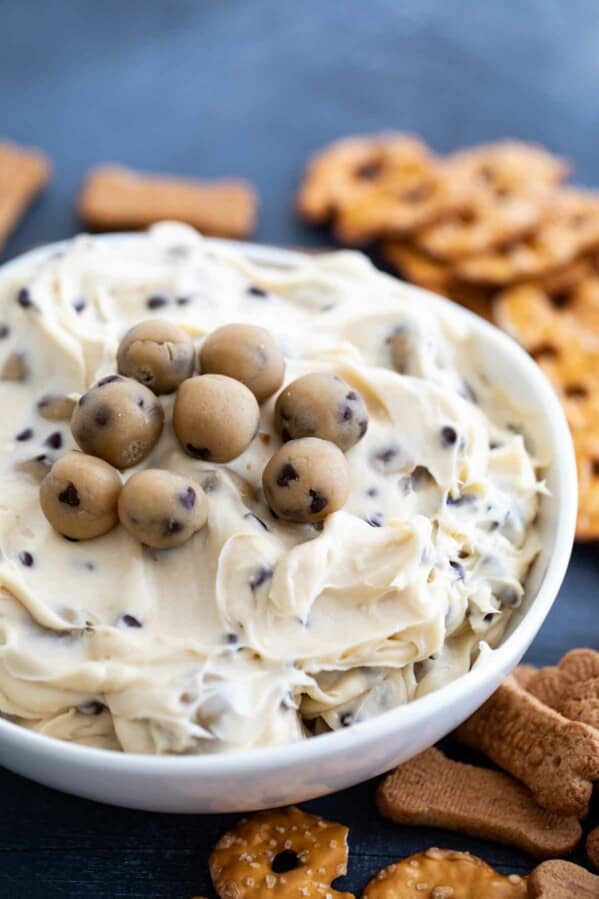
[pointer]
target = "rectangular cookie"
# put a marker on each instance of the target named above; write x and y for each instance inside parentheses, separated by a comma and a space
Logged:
(24, 172)
(114, 197)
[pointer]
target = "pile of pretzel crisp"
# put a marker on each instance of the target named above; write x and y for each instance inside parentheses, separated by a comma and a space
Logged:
(541, 728)
(495, 228)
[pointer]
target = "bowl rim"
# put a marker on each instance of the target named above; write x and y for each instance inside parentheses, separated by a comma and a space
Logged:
(419, 710)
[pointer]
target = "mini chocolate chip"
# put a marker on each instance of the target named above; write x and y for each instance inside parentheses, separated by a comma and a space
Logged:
(489, 617)
(4, 331)
(24, 298)
(507, 596)
(89, 566)
(25, 434)
(259, 520)
(26, 559)
(448, 436)
(171, 526)
(318, 502)
(363, 426)
(70, 496)
(369, 171)
(109, 379)
(376, 520)
(231, 639)
(372, 491)
(287, 473)
(352, 395)
(256, 291)
(79, 304)
(129, 620)
(345, 414)
(458, 568)
(466, 499)
(54, 440)
(92, 707)
(188, 498)
(156, 302)
(260, 576)
(102, 416)
(200, 452)
(183, 301)
(345, 719)
(140, 402)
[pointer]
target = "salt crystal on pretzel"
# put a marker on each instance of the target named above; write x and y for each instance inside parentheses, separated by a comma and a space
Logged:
(114, 197)
(557, 759)
(435, 791)
(24, 173)
(443, 874)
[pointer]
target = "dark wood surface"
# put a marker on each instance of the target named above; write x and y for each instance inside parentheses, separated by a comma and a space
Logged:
(250, 88)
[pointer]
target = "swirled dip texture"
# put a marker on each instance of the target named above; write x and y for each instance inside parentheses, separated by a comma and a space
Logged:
(256, 631)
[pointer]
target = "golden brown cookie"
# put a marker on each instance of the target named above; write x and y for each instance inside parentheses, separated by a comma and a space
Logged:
(560, 328)
(432, 790)
(444, 874)
(24, 173)
(572, 688)
(592, 847)
(244, 863)
(562, 880)
(570, 229)
(557, 759)
(114, 197)
(510, 184)
(374, 185)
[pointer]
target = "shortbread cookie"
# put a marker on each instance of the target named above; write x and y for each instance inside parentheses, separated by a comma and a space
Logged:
(511, 184)
(572, 688)
(375, 185)
(444, 874)
(560, 328)
(114, 197)
(435, 791)
(24, 173)
(562, 880)
(243, 864)
(557, 759)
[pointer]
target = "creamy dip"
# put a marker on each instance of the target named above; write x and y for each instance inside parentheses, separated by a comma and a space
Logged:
(256, 632)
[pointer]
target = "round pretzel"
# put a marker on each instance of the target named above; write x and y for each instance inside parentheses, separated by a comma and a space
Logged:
(241, 864)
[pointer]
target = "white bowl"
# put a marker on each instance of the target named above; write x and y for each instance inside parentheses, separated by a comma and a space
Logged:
(280, 775)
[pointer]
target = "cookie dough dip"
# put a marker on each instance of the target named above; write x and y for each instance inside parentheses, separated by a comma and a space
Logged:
(402, 495)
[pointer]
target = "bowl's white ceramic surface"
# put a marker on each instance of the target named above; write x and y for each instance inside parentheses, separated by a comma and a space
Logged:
(268, 777)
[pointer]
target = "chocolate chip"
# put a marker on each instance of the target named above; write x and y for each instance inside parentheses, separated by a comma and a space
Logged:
(256, 291)
(156, 302)
(25, 434)
(200, 452)
(287, 473)
(352, 395)
(92, 707)
(507, 596)
(140, 402)
(345, 719)
(363, 427)
(231, 639)
(260, 576)
(376, 520)
(465, 499)
(24, 298)
(69, 496)
(369, 171)
(54, 440)
(372, 491)
(109, 379)
(259, 520)
(345, 414)
(129, 620)
(458, 568)
(188, 498)
(183, 301)
(26, 559)
(448, 436)
(318, 502)
(489, 617)
(171, 526)
(102, 416)
(387, 459)
(4, 331)
(79, 304)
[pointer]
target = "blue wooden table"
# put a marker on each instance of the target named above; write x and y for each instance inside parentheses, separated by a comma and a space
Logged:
(251, 87)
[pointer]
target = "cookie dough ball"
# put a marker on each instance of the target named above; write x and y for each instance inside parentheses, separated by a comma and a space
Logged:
(322, 405)
(118, 420)
(246, 353)
(157, 353)
(79, 496)
(306, 480)
(215, 417)
(161, 509)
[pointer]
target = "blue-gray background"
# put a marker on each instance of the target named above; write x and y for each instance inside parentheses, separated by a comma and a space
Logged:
(251, 87)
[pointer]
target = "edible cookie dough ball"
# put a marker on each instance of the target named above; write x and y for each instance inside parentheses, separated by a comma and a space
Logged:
(215, 417)
(79, 496)
(118, 420)
(306, 480)
(157, 353)
(322, 405)
(246, 353)
(162, 509)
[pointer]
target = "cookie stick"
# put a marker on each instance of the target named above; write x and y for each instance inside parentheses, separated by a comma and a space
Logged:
(432, 790)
